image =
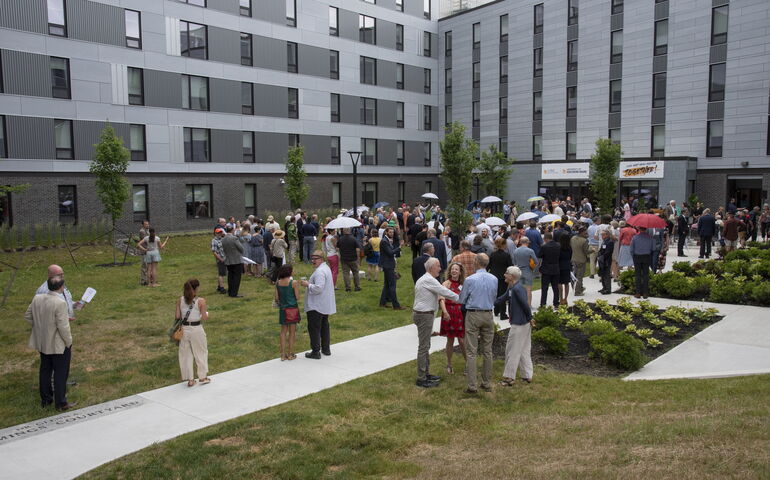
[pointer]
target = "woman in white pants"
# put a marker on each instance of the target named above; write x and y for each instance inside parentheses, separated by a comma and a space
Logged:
(519, 345)
(192, 310)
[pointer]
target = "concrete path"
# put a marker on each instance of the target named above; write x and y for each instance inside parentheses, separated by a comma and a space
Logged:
(67, 445)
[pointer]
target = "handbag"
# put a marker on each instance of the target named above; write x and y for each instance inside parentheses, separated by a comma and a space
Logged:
(175, 334)
(532, 264)
(291, 314)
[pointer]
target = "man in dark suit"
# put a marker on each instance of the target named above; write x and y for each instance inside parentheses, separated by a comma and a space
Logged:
(683, 229)
(706, 231)
(417, 233)
(418, 264)
(605, 262)
(439, 249)
(388, 264)
(549, 269)
(233, 261)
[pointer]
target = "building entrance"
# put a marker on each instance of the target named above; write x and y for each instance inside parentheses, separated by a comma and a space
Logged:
(745, 189)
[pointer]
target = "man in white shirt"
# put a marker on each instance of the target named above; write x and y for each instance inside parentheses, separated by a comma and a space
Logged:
(426, 293)
(57, 271)
(319, 304)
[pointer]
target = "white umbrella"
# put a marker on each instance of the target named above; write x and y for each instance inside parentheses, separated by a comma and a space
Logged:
(586, 220)
(490, 199)
(549, 218)
(526, 216)
(359, 210)
(343, 222)
(430, 195)
(495, 221)
(536, 198)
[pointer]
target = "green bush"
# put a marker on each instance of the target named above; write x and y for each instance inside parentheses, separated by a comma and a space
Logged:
(619, 349)
(745, 254)
(546, 317)
(760, 293)
(627, 281)
(597, 327)
(737, 267)
(684, 267)
(703, 283)
(553, 341)
(678, 286)
(761, 268)
(758, 245)
(714, 267)
(727, 291)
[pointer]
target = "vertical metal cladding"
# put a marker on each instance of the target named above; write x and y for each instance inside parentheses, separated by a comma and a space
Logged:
(86, 134)
(270, 53)
(271, 101)
(273, 11)
(96, 22)
(348, 24)
(386, 152)
(229, 6)
(414, 78)
(271, 147)
(413, 154)
(162, 89)
(26, 73)
(350, 109)
(315, 61)
(30, 137)
(27, 15)
(226, 146)
(224, 45)
(224, 95)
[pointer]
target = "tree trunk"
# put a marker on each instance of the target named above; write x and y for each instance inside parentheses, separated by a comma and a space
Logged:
(112, 243)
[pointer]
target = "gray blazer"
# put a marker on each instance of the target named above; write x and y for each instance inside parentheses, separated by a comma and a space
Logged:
(50, 324)
(233, 249)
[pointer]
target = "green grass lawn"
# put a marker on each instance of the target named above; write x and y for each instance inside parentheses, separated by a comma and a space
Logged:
(120, 345)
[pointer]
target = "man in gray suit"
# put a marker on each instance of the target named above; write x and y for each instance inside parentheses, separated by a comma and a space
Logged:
(233, 253)
(51, 337)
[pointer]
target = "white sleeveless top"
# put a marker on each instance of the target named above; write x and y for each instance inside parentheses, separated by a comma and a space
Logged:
(195, 313)
(331, 249)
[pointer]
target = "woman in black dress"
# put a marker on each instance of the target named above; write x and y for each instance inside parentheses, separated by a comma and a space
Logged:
(565, 268)
(499, 261)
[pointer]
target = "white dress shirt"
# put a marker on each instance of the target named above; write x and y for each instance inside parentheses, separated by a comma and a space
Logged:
(426, 293)
(66, 295)
(320, 292)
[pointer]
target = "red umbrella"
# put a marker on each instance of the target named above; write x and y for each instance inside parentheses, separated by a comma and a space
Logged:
(647, 220)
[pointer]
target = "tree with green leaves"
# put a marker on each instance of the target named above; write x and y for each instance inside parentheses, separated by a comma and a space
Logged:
(296, 189)
(604, 173)
(494, 170)
(109, 167)
(458, 160)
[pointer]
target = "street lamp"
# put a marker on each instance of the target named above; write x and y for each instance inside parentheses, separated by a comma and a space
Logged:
(354, 158)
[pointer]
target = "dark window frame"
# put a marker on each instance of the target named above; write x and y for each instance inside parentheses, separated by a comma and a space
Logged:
(447, 80)
(400, 159)
(570, 155)
(62, 218)
(537, 115)
(616, 57)
(448, 43)
(292, 66)
(65, 153)
(400, 110)
(253, 209)
(504, 32)
(658, 100)
(367, 104)
(364, 151)
(660, 49)
(572, 54)
(365, 191)
(476, 35)
(572, 12)
(616, 106)
(244, 11)
(653, 151)
(334, 31)
(364, 31)
(503, 71)
(476, 75)
(190, 93)
(338, 186)
(334, 98)
(572, 111)
(720, 38)
(53, 26)
(247, 60)
(291, 20)
(714, 151)
(248, 157)
(447, 115)
(293, 104)
(4, 140)
(187, 133)
(138, 155)
(334, 64)
(247, 108)
(335, 159)
(141, 215)
(400, 69)
(717, 94)
(427, 117)
(427, 159)
(426, 73)
(538, 27)
(193, 213)
(537, 156)
(57, 91)
(363, 60)
(476, 114)
(609, 135)
(537, 52)
(133, 42)
(616, 7)
(400, 5)
(502, 105)
(399, 37)
(427, 50)
(186, 32)
(141, 86)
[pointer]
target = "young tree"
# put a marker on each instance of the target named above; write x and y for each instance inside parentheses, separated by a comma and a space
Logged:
(604, 173)
(458, 159)
(494, 170)
(295, 188)
(109, 167)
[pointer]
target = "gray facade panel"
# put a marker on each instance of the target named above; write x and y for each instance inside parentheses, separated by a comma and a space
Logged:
(226, 146)
(350, 109)
(271, 147)
(414, 154)
(386, 34)
(537, 84)
(313, 61)
(433, 45)
(718, 53)
(386, 113)
(613, 120)
(716, 110)
(273, 11)
(570, 124)
(572, 32)
(224, 95)
(27, 15)
(30, 137)
(503, 48)
(318, 149)
(616, 71)
(348, 24)
(658, 116)
(271, 101)
(26, 73)
(616, 21)
(659, 63)
(270, 53)
(537, 41)
(225, 45)
(162, 89)
(572, 79)
(413, 8)
(537, 127)
(661, 10)
(96, 22)
(386, 73)
(386, 152)
(229, 6)
(86, 135)
(414, 79)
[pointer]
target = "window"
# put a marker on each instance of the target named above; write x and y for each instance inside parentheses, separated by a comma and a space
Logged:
(3, 146)
(504, 69)
(369, 149)
(426, 47)
(447, 115)
(503, 28)
(401, 194)
(426, 80)
(616, 91)
(335, 107)
(714, 138)
(368, 111)
(200, 3)
(193, 39)
(369, 193)
(476, 35)
(538, 57)
(503, 104)
(68, 204)
(139, 202)
(717, 82)
(572, 12)
(427, 117)
(245, 8)
(659, 90)
(198, 201)
(400, 76)
(448, 44)
(291, 57)
(616, 48)
(572, 55)
(399, 37)
(538, 18)
(476, 114)
(334, 64)
(476, 74)
(368, 67)
(57, 18)
(336, 195)
(248, 147)
(537, 106)
(135, 86)
(617, 6)
(658, 140)
(250, 199)
(247, 98)
(133, 29)
(661, 37)
(335, 150)
(571, 101)
(502, 145)
(571, 145)
(195, 92)
(448, 80)
(291, 13)
(399, 114)
(293, 103)
(426, 155)
(614, 135)
(196, 145)
(428, 186)
(62, 132)
(537, 147)
(137, 144)
(367, 29)
(719, 17)
(334, 20)
(425, 10)
(400, 153)
(293, 140)
(373, 2)
(60, 77)
(400, 5)
(1, 79)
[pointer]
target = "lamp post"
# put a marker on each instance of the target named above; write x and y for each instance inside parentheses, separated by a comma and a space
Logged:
(354, 158)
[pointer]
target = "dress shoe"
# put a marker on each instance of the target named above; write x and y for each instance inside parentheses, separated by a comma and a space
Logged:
(236, 296)
(66, 406)
(399, 308)
(313, 355)
(44, 404)
(426, 383)
(487, 388)
(471, 391)
(383, 306)
(347, 289)
(433, 378)
(636, 295)
(358, 289)
(328, 353)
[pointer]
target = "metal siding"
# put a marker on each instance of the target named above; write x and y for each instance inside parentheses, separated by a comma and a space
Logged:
(96, 22)
(270, 101)
(162, 89)
(229, 6)
(386, 113)
(659, 63)
(434, 46)
(224, 95)
(661, 10)
(616, 22)
(226, 146)
(30, 137)
(413, 154)
(271, 147)
(658, 116)
(414, 79)
(386, 34)
(572, 32)
(350, 109)
(718, 53)
(86, 134)
(224, 45)
(269, 53)
(27, 15)
(318, 149)
(613, 120)
(434, 118)
(313, 60)
(348, 24)
(616, 71)
(386, 73)
(716, 111)
(386, 152)
(572, 79)
(412, 7)
(26, 73)
(570, 124)
(273, 11)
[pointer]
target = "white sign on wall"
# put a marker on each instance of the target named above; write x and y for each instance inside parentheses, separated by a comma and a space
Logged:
(647, 169)
(566, 171)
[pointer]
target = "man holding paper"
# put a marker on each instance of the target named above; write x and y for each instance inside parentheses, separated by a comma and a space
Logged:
(72, 305)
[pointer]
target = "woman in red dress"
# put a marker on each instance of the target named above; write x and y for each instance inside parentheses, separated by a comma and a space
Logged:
(452, 321)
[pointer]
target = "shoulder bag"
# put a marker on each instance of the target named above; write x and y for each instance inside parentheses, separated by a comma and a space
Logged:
(291, 314)
(175, 333)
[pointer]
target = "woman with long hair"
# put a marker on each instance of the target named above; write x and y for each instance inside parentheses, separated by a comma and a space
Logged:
(329, 246)
(373, 255)
(192, 310)
(151, 247)
(452, 322)
(287, 299)
(565, 268)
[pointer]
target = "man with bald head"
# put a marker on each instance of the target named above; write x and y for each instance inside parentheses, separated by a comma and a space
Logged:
(72, 305)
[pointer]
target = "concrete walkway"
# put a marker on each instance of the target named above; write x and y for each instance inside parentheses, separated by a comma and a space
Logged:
(67, 445)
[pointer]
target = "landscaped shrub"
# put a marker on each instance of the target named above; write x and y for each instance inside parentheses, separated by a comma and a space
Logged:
(627, 281)
(727, 291)
(553, 341)
(684, 267)
(597, 327)
(703, 283)
(760, 293)
(619, 349)
(677, 285)
(758, 245)
(546, 317)
(714, 267)
(737, 267)
(761, 268)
